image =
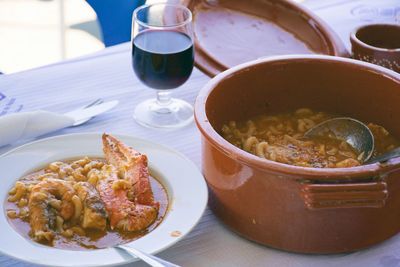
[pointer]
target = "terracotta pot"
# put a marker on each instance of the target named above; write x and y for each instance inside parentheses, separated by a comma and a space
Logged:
(295, 208)
(378, 44)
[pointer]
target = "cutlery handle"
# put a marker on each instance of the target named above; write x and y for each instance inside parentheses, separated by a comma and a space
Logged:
(149, 259)
(385, 157)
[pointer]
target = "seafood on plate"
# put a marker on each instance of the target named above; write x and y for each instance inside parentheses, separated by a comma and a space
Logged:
(89, 203)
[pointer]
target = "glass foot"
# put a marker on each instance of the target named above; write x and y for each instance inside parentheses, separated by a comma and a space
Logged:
(175, 113)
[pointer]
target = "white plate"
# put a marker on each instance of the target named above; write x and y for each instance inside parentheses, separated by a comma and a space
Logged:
(185, 185)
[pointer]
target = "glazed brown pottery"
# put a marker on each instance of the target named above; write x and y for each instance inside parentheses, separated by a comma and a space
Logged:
(378, 44)
(293, 208)
(231, 32)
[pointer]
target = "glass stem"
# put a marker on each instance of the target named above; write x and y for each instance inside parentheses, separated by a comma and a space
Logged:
(163, 97)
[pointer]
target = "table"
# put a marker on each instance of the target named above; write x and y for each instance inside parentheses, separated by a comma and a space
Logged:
(69, 84)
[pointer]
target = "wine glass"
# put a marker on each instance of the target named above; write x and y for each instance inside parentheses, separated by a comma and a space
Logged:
(162, 58)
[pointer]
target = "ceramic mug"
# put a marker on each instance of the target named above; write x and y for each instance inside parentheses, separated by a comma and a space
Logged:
(378, 44)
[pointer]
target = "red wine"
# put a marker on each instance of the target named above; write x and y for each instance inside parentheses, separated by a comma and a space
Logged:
(162, 59)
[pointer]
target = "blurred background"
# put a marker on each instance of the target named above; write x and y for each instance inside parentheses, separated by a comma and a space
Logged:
(40, 32)
(34, 33)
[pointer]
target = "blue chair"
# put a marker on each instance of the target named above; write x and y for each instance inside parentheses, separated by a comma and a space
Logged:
(115, 18)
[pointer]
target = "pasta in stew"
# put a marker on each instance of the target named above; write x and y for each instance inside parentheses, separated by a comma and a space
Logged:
(280, 138)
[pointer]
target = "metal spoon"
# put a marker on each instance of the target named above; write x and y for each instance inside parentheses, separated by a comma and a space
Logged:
(354, 132)
(149, 259)
(385, 157)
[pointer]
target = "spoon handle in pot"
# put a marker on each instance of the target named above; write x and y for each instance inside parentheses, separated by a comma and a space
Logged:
(385, 157)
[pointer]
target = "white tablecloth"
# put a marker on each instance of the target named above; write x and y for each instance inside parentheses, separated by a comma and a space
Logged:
(64, 86)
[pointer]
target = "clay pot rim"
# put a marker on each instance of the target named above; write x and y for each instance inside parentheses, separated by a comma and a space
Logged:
(242, 156)
(356, 41)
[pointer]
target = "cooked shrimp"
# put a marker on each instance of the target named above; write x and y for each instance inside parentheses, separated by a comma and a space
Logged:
(131, 166)
(42, 214)
(124, 214)
(94, 212)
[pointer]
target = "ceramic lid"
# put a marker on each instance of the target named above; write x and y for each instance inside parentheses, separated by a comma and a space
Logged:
(231, 32)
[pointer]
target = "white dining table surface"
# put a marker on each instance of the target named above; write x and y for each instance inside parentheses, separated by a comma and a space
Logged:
(108, 75)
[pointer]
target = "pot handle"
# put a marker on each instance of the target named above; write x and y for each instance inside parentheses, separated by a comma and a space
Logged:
(348, 195)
